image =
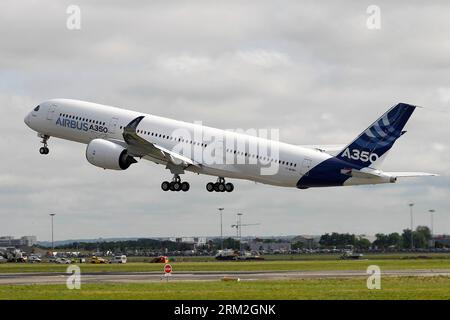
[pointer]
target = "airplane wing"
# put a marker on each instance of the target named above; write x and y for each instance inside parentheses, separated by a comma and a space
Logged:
(332, 149)
(138, 146)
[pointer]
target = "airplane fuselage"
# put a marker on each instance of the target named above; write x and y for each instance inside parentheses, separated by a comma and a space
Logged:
(242, 155)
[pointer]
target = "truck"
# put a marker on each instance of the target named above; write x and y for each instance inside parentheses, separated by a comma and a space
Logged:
(227, 254)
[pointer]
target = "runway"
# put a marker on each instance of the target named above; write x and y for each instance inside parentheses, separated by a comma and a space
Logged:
(142, 277)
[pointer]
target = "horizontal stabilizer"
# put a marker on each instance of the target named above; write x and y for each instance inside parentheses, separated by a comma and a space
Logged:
(411, 174)
(368, 173)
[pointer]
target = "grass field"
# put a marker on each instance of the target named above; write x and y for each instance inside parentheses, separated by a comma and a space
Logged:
(294, 265)
(391, 288)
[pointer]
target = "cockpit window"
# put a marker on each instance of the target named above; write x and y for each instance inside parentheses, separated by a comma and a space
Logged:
(36, 109)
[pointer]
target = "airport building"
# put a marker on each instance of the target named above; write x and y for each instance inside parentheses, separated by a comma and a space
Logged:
(440, 241)
(197, 241)
(308, 242)
(256, 245)
(25, 241)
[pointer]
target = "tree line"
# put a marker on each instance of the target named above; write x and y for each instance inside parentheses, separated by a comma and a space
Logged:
(421, 237)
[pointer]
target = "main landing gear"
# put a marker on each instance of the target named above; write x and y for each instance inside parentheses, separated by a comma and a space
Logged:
(175, 184)
(219, 186)
(44, 149)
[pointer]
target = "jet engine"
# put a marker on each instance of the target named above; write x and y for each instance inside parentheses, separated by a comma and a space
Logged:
(108, 155)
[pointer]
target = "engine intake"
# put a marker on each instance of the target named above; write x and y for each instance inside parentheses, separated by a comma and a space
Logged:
(108, 155)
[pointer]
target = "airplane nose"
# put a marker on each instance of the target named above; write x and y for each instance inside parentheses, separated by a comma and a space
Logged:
(27, 120)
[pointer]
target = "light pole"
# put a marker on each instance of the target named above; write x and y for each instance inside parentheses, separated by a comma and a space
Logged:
(239, 231)
(411, 205)
(238, 227)
(221, 230)
(431, 211)
(240, 224)
(53, 244)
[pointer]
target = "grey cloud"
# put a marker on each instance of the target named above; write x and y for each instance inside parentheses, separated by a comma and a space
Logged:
(311, 69)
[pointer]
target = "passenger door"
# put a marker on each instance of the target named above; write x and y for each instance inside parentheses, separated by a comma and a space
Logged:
(113, 126)
(51, 112)
(306, 166)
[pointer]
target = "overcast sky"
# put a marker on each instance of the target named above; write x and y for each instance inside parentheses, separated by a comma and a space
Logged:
(313, 70)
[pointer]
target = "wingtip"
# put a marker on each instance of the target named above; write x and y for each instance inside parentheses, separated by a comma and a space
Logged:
(134, 123)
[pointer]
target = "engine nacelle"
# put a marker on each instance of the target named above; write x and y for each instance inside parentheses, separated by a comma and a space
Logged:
(108, 155)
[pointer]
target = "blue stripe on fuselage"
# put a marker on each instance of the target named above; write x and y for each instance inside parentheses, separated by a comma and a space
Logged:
(326, 174)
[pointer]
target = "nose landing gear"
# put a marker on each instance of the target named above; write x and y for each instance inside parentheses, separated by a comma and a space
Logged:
(219, 186)
(44, 149)
(175, 184)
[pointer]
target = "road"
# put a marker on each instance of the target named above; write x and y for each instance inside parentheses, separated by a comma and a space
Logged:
(142, 277)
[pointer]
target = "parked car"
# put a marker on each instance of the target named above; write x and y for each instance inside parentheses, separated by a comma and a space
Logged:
(160, 259)
(34, 259)
(62, 261)
(2, 260)
(119, 259)
(227, 254)
(98, 260)
(350, 255)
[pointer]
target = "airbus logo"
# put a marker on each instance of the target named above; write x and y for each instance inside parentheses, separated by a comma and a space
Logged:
(80, 125)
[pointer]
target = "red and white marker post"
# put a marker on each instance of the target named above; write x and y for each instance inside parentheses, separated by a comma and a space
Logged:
(167, 271)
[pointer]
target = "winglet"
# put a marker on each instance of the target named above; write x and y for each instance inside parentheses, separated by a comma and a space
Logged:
(134, 123)
(129, 131)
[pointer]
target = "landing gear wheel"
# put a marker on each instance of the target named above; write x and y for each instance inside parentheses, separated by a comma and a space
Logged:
(210, 187)
(220, 187)
(176, 186)
(229, 187)
(165, 186)
(44, 149)
(185, 186)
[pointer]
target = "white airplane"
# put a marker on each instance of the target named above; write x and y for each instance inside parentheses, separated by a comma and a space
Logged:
(116, 137)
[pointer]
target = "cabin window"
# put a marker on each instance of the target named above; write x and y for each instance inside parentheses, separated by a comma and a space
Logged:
(36, 109)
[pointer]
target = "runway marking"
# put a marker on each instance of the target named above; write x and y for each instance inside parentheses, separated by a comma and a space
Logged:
(136, 277)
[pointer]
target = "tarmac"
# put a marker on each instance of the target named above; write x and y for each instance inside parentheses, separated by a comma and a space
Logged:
(143, 277)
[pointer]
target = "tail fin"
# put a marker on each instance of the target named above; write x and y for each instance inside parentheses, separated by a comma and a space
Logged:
(372, 144)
